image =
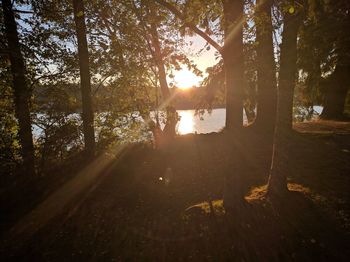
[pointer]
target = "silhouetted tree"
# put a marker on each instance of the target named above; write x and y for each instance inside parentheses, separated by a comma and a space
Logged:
(324, 60)
(292, 18)
(266, 68)
(232, 54)
(83, 54)
(337, 85)
(21, 91)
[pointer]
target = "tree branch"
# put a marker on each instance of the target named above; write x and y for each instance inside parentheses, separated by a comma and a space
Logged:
(22, 11)
(193, 27)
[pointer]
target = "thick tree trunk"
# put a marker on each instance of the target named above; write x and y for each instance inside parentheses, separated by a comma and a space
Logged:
(336, 92)
(266, 69)
(21, 91)
(287, 77)
(83, 54)
(232, 54)
(234, 75)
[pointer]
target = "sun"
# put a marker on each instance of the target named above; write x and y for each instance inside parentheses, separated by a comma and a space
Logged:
(185, 79)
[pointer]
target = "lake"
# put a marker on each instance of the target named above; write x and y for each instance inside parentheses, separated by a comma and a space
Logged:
(192, 123)
(214, 122)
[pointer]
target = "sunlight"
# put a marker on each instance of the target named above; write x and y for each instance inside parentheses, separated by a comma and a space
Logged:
(185, 125)
(185, 79)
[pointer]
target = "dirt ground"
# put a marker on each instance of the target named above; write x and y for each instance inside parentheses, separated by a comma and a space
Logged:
(148, 205)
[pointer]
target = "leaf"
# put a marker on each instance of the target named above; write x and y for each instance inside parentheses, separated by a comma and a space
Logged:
(80, 14)
(291, 10)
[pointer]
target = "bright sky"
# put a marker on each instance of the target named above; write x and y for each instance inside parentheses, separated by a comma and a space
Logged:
(185, 78)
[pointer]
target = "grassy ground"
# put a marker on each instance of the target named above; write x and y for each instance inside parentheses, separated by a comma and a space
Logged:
(154, 206)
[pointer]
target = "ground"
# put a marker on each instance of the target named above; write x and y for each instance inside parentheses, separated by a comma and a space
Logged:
(146, 205)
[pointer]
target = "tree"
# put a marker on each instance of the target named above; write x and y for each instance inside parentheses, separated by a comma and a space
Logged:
(83, 54)
(151, 21)
(324, 58)
(266, 69)
(231, 52)
(337, 85)
(233, 62)
(336, 89)
(292, 18)
(21, 91)
(232, 55)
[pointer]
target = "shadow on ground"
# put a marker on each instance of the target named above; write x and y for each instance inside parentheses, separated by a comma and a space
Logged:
(154, 206)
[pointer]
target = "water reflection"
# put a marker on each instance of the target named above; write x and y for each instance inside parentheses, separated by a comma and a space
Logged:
(186, 124)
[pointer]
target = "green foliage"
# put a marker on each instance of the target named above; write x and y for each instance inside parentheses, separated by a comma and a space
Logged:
(123, 68)
(9, 146)
(323, 43)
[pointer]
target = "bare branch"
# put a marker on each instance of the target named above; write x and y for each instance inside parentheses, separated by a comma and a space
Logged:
(23, 11)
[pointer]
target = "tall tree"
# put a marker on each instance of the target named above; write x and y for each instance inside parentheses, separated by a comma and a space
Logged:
(232, 55)
(157, 52)
(266, 68)
(233, 60)
(287, 77)
(21, 91)
(337, 84)
(83, 54)
(324, 56)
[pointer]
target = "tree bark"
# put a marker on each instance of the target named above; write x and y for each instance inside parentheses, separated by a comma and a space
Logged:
(171, 116)
(158, 57)
(232, 54)
(336, 92)
(287, 77)
(83, 54)
(266, 69)
(21, 91)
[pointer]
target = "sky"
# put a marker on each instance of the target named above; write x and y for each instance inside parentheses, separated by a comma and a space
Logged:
(185, 78)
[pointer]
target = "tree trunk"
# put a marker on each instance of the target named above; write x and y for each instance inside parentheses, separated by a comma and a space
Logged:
(336, 92)
(83, 54)
(232, 55)
(160, 63)
(287, 77)
(21, 91)
(171, 114)
(234, 75)
(266, 69)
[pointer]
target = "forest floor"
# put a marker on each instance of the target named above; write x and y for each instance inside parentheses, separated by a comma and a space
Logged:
(145, 205)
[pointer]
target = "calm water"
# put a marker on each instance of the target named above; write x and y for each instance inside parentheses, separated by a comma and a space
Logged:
(214, 122)
(192, 123)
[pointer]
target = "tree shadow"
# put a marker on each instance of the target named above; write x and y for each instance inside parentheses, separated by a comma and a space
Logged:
(291, 227)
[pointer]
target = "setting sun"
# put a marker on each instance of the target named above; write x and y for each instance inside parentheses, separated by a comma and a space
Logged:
(185, 79)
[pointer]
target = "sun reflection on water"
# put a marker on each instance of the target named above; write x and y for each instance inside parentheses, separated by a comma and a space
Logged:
(186, 124)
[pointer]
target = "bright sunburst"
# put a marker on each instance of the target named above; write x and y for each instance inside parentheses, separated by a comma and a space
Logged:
(185, 79)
